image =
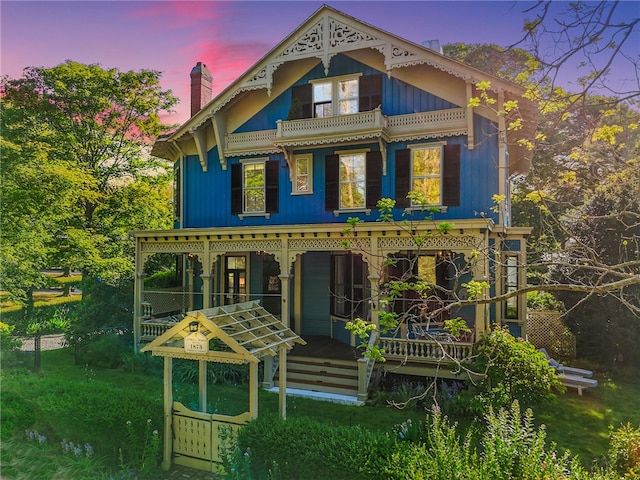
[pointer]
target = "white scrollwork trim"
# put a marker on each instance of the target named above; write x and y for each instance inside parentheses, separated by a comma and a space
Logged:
(246, 245)
(171, 247)
(436, 242)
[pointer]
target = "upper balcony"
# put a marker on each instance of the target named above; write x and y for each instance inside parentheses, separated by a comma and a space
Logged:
(357, 127)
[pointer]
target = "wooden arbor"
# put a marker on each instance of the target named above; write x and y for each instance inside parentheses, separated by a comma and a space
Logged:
(247, 333)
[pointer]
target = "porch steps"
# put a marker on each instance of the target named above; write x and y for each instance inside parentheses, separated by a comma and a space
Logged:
(319, 375)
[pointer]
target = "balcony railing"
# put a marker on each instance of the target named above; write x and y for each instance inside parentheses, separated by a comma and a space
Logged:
(353, 127)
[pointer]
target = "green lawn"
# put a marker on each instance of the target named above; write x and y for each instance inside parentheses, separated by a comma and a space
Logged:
(577, 423)
(228, 400)
(581, 423)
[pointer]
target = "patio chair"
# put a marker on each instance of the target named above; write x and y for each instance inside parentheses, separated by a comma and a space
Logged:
(580, 372)
(571, 377)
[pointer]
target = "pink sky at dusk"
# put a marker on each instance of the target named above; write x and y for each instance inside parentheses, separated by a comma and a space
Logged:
(229, 37)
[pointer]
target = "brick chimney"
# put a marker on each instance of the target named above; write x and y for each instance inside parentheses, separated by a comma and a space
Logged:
(201, 81)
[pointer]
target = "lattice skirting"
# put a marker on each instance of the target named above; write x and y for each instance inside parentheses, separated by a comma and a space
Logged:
(545, 329)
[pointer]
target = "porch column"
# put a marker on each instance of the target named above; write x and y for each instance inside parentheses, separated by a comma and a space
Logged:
(138, 288)
(282, 384)
(478, 270)
(284, 298)
(374, 281)
(206, 275)
(522, 282)
(253, 389)
(191, 279)
(168, 414)
(202, 385)
(206, 290)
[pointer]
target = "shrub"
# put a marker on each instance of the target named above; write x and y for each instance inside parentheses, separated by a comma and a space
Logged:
(511, 449)
(511, 369)
(441, 457)
(162, 279)
(302, 448)
(104, 349)
(624, 451)
(9, 344)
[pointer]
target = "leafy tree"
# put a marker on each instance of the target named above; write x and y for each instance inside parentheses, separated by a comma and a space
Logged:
(586, 37)
(34, 199)
(514, 64)
(510, 369)
(75, 158)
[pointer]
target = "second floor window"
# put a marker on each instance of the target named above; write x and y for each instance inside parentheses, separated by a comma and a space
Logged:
(253, 186)
(426, 166)
(353, 180)
(432, 171)
(353, 176)
(303, 174)
(335, 97)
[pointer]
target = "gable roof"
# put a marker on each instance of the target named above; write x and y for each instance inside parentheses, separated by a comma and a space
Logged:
(247, 330)
(325, 34)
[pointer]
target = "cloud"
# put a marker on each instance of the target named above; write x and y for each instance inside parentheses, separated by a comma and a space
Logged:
(177, 14)
(227, 60)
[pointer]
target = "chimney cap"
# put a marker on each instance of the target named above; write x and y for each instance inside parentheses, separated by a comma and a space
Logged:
(201, 68)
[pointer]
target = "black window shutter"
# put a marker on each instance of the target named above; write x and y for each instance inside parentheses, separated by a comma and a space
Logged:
(374, 178)
(370, 92)
(271, 184)
(236, 188)
(451, 176)
(403, 178)
(305, 95)
(332, 182)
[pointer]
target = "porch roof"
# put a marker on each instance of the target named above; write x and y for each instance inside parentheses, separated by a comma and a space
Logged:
(248, 330)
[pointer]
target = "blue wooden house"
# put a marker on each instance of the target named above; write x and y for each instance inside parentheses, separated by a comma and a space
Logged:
(267, 174)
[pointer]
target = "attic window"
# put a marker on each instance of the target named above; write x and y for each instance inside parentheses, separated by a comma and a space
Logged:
(335, 96)
(342, 95)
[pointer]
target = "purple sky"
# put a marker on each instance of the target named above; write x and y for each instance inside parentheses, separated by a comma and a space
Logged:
(171, 36)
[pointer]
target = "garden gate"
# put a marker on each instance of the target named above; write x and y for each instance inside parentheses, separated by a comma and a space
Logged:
(246, 332)
(199, 439)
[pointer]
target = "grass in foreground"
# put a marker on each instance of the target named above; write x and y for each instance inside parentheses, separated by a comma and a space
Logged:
(576, 423)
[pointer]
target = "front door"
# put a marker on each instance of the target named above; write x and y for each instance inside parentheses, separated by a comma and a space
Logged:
(235, 280)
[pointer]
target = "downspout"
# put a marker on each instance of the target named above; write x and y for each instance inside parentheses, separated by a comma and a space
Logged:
(503, 167)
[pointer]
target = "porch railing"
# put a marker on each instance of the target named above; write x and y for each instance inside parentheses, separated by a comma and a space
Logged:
(155, 327)
(159, 302)
(365, 370)
(425, 351)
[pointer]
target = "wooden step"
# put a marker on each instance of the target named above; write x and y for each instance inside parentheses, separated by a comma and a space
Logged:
(303, 377)
(321, 375)
(322, 369)
(321, 386)
(322, 361)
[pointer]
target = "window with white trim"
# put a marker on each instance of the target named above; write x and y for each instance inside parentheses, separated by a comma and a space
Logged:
(303, 174)
(510, 279)
(353, 180)
(426, 174)
(337, 96)
(253, 186)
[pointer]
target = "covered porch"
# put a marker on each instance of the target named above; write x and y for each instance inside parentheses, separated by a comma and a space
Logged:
(287, 269)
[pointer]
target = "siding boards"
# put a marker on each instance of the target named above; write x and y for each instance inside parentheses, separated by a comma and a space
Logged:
(207, 195)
